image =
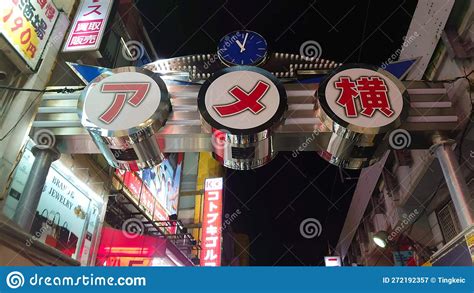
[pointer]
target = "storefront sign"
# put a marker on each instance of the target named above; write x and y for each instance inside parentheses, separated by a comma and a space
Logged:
(61, 213)
(212, 223)
(88, 27)
(116, 249)
(27, 25)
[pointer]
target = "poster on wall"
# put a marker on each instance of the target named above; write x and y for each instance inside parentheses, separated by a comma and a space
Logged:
(164, 180)
(61, 215)
(26, 25)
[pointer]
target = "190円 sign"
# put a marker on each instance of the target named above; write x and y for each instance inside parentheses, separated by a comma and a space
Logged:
(27, 25)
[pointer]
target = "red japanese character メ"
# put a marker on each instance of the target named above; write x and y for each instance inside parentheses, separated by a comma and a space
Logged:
(244, 100)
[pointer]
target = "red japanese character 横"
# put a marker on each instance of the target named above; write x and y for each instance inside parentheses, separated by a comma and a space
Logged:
(372, 92)
(373, 96)
(347, 96)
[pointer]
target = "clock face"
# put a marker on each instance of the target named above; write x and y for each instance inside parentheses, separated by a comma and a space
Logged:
(242, 48)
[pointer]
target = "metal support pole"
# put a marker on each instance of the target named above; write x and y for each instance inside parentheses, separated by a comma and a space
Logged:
(456, 184)
(30, 197)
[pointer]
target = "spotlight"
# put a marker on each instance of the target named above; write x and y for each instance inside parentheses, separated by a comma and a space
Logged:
(381, 239)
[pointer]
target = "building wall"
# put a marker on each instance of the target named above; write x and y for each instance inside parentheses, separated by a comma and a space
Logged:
(26, 103)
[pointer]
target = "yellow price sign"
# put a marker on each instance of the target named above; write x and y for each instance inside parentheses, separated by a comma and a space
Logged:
(26, 25)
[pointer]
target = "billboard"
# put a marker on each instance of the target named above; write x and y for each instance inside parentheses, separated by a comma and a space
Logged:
(156, 190)
(164, 180)
(27, 25)
(212, 223)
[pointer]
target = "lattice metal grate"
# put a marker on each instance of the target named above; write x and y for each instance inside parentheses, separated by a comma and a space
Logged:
(448, 221)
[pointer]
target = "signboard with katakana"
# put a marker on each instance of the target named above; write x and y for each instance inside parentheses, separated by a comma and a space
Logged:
(212, 223)
(26, 25)
(89, 25)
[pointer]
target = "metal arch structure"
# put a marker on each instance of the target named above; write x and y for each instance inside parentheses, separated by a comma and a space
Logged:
(430, 112)
(431, 119)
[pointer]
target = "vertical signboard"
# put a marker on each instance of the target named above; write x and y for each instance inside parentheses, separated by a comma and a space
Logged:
(212, 223)
(26, 26)
(89, 25)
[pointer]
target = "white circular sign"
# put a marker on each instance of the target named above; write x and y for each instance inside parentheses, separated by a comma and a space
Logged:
(242, 99)
(364, 97)
(122, 101)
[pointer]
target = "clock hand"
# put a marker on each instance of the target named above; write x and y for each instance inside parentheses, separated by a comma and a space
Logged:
(242, 48)
(245, 41)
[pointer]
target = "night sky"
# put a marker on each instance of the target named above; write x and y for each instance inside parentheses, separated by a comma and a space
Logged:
(275, 199)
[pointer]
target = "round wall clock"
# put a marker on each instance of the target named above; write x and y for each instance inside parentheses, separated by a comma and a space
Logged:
(242, 48)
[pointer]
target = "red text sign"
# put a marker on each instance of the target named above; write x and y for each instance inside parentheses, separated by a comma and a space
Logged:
(244, 100)
(139, 92)
(27, 25)
(372, 92)
(212, 223)
(89, 25)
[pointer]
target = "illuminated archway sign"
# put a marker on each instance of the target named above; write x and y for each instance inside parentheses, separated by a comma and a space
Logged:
(360, 104)
(122, 110)
(241, 106)
(242, 110)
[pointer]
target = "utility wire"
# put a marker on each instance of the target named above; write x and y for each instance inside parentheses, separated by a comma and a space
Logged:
(67, 90)
(21, 117)
(64, 90)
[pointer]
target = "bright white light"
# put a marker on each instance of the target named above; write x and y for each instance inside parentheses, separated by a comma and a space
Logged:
(380, 242)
